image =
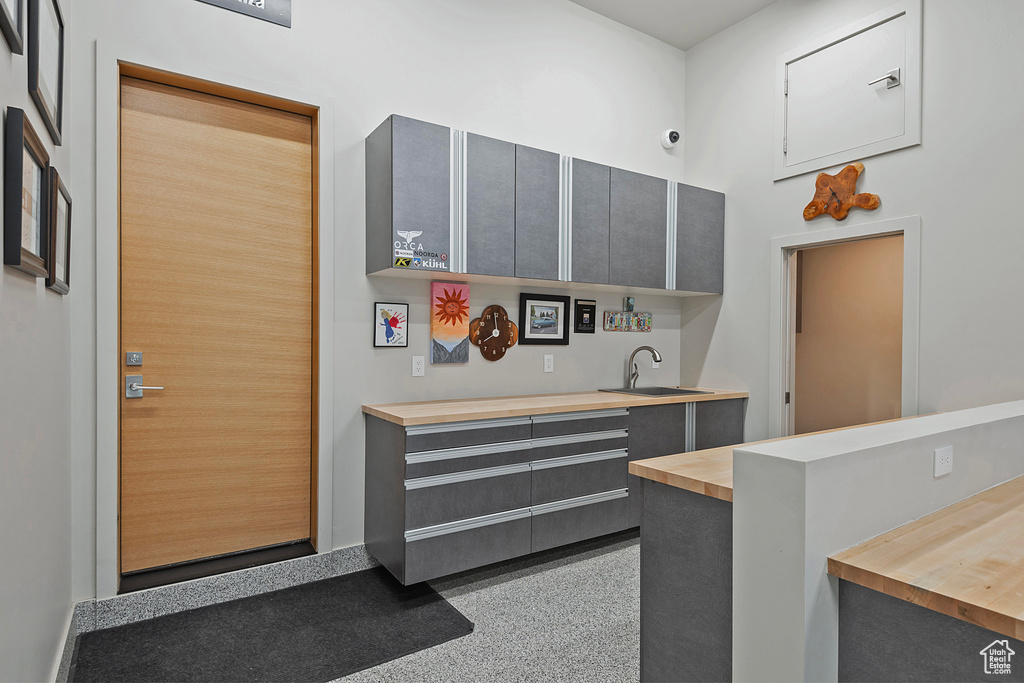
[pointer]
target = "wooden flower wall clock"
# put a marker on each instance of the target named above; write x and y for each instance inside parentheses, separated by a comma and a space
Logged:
(493, 332)
(836, 194)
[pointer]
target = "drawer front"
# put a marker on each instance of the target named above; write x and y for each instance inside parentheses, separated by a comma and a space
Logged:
(458, 550)
(447, 498)
(579, 423)
(589, 517)
(577, 444)
(449, 460)
(456, 434)
(575, 476)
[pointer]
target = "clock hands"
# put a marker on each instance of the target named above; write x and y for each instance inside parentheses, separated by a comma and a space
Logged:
(831, 198)
(495, 332)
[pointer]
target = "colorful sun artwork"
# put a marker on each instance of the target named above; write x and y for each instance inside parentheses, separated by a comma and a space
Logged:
(449, 322)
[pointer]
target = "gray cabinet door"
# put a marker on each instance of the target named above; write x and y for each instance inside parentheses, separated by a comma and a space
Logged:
(537, 207)
(490, 206)
(638, 230)
(718, 423)
(653, 431)
(590, 195)
(408, 205)
(700, 240)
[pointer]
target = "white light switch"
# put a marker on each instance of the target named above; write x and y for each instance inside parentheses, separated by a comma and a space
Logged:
(943, 464)
(417, 366)
(549, 363)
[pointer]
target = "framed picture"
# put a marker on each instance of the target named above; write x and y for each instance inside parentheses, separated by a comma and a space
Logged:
(390, 324)
(543, 319)
(46, 62)
(11, 13)
(59, 253)
(586, 316)
(26, 200)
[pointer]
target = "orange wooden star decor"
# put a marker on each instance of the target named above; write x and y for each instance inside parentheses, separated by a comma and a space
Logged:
(837, 194)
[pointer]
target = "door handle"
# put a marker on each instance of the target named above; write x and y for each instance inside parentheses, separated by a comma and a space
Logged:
(893, 78)
(133, 386)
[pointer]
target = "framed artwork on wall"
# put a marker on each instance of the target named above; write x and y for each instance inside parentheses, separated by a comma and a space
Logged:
(26, 201)
(449, 322)
(586, 316)
(543, 319)
(11, 13)
(391, 324)
(46, 62)
(59, 253)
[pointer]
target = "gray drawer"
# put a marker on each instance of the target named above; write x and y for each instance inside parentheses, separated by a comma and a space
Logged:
(448, 460)
(579, 475)
(576, 444)
(455, 434)
(579, 423)
(556, 524)
(475, 543)
(451, 497)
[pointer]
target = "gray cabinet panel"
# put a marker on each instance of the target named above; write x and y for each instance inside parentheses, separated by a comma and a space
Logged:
(700, 240)
(537, 208)
(461, 464)
(384, 495)
(466, 499)
(719, 423)
(540, 452)
(638, 230)
(572, 481)
(430, 558)
(379, 245)
(579, 425)
(653, 431)
(421, 203)
(591, 187)
(553, 529)
(466, 437)
(490, 206)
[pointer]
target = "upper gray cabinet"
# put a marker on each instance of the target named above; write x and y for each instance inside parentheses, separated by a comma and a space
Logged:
(490, 206)
(537, 213)
(700, 240)
(408, 197)
(637, 247)
(590, 236)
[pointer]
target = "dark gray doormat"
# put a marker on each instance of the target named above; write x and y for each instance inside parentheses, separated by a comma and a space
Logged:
(314, 632)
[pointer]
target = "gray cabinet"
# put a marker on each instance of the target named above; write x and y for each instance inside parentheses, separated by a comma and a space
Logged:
(408, 196)
(490, 206)
(637, 230)
(718, 423)
(591, 188)
(654, 431)
(537, 210)
(700, 239)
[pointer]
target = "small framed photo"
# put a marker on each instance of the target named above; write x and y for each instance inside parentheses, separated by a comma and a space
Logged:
(391, 324)
(46, 62)
(543, 319)
(59, 259)
(586, 316)
(11, 20)
(628, 303)
(26, 197)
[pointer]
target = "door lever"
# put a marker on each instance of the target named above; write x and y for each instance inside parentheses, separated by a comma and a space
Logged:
(892, 79)
(133, 386)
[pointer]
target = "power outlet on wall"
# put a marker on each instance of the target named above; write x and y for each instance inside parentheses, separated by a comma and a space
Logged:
(943, 463)
(549, 363)
(417, 366)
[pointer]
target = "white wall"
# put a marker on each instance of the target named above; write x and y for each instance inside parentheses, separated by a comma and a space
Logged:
(962, 180)
(35, 461)
(544, 73)
(796, 502)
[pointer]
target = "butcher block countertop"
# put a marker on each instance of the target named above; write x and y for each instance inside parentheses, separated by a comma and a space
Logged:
(965, 561)
(460, 410)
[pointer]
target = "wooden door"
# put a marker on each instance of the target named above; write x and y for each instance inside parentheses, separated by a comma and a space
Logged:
(216, 291)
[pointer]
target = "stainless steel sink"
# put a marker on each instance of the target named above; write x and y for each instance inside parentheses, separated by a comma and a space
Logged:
(657, 391)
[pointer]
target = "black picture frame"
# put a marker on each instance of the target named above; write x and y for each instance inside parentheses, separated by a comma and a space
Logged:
(585, 316)
(535, 312)
(21, 143)
(47, 95)
(10, 25)
(379, 329)
(59, 255)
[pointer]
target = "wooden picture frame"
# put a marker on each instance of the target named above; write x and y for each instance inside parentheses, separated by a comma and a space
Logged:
(11, 14)
(46, 63)
(543, 319)
(390, 325)
(59, 254)
(26, 197)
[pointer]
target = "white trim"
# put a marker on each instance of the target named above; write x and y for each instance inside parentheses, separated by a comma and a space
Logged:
(107, 362)
(778, 342)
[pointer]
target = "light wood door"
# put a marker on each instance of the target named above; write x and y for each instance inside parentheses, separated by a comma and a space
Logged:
(216, 280)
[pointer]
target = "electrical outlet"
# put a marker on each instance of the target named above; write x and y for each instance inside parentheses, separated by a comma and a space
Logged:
(943, 461)
(549, 363)
(655, 364)
(417, 366)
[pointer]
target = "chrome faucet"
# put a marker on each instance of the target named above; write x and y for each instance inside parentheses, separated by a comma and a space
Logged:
(634, 372)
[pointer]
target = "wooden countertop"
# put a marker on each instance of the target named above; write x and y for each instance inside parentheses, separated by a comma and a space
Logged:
(459, 410)
(965, 561)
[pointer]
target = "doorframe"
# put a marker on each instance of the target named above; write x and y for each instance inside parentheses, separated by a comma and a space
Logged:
(108, 73)
(780, 346)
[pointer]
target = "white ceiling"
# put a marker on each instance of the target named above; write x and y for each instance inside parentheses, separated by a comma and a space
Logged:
(682, 23)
